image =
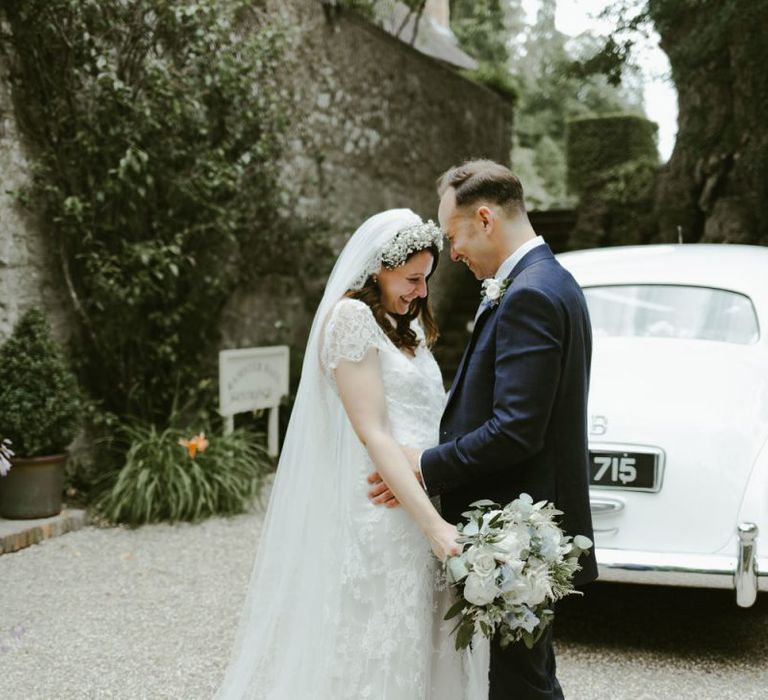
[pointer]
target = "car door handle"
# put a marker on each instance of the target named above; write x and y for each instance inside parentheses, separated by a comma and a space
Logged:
(605, 506)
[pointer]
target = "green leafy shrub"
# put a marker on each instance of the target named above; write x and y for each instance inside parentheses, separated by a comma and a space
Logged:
(165, 479)
(158, 128)
(39, 396)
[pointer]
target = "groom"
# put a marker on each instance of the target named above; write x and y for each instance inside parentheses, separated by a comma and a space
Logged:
(516, 416)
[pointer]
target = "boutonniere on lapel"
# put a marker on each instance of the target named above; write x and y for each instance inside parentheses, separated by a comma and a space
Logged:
(493, 290)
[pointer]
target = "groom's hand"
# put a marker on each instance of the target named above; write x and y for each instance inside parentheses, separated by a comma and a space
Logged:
(380, 493)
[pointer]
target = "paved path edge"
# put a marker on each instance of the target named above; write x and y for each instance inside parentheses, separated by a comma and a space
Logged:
(18, 534)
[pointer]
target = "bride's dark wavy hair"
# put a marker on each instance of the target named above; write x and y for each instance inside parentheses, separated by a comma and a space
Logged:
(401, 334)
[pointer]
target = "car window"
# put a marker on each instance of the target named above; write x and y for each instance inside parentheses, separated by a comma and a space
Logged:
(668, 311)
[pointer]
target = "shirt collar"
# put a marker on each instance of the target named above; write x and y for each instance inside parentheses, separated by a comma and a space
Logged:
(509, 264)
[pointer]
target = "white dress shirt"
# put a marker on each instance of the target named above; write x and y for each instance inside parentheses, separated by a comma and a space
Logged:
(509, 264)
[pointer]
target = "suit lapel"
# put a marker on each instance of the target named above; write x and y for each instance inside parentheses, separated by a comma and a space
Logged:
(479, 324)
(538, 253)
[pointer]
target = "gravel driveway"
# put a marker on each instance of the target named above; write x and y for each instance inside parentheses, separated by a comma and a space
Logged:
(119, 613)
(151, 613)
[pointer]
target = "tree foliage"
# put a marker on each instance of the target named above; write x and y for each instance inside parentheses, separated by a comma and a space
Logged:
(713, 188)
(539, 61)
(484, 27)
(612, 166)
(157, 129)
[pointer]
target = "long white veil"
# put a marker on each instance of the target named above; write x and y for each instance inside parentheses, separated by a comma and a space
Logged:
(285, 643)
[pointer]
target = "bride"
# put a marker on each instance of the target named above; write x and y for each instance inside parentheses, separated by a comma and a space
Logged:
(343, 600)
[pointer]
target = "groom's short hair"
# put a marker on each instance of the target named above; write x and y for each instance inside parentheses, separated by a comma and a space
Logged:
(483, 180)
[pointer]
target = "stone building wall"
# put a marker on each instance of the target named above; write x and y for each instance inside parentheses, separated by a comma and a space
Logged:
(378, 122)
(382, 121)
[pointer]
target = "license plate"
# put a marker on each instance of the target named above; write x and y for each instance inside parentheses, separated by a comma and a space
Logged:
(615, 469)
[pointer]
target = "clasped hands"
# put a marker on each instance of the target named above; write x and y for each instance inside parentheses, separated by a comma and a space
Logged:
(380, 493)
(440, 534)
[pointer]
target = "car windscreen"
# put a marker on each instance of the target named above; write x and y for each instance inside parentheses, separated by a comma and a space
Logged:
(671, 311)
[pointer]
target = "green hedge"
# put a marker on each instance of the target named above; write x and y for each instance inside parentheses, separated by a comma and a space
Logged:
(596, 145)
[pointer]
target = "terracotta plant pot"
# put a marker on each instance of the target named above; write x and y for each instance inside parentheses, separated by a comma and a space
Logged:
(32, 488)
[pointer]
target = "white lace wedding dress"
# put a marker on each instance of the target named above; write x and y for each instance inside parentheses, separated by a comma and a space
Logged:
(389, 625)
(343, 602)
(389, 617)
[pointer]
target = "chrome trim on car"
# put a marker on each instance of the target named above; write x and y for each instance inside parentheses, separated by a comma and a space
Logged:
(745, 577)
(605, 506)
(742, 572)
(605, 531)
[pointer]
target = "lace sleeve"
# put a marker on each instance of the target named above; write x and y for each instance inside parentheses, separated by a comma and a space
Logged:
(350, 332)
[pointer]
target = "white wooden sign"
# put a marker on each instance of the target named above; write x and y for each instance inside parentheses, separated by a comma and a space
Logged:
(251, 379)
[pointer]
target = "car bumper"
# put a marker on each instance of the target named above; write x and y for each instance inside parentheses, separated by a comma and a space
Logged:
(741, 572)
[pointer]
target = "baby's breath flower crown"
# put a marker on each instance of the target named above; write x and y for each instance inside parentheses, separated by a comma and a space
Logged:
(405, 242)
(411, 240)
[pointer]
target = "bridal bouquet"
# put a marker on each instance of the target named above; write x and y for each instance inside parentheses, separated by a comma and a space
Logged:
(515, 563)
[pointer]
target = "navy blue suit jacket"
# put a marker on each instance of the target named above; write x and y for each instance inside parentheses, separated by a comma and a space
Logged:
(516, 416)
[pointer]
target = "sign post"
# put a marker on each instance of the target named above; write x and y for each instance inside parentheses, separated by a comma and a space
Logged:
(251, 379)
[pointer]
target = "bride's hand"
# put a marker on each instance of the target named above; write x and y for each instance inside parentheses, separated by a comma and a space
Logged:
(442, 539)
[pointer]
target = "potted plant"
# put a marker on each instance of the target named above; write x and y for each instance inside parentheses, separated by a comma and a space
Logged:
(39, 416)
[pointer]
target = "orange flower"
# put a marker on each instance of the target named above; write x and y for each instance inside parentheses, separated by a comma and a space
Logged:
(194, 445)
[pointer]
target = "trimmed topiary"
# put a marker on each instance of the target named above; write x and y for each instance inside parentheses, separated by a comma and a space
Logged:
(598, 144)
(39, 395)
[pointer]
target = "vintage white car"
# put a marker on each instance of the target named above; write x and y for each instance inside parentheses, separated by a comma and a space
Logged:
(678, 413)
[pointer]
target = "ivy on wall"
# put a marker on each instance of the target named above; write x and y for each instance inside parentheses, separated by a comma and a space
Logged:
(156, 127)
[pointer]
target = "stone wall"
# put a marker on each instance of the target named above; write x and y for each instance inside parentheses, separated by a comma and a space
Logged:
(382, 121)
(28, 268)
(378, 122)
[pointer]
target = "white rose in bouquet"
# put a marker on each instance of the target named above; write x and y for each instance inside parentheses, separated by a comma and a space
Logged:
(482, 561)
(480, 590)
